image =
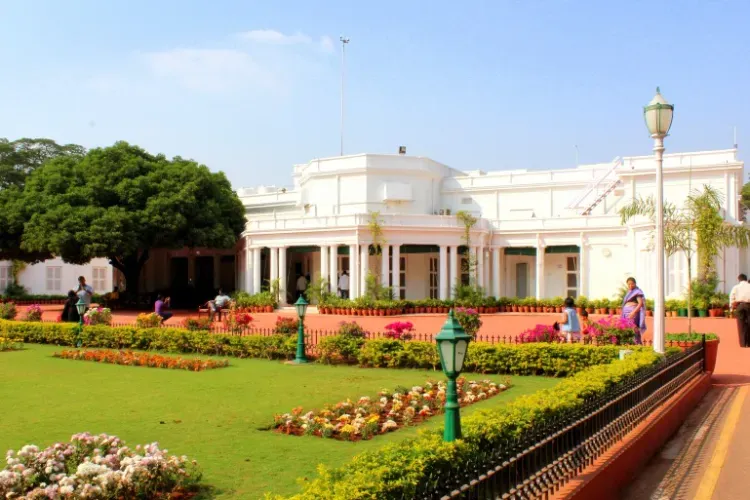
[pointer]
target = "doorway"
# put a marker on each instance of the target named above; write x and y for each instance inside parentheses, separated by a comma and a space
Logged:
(522, 280)
(204, 277)
(178, 275)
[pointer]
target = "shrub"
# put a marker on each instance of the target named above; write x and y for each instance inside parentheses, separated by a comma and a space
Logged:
(194, 324)
(237, 320)
(343, 348)
(9, 345)
(469, 320)
(352, 329)
(98, 316)
(399, 330)
(540, 333)
(8, 310)
(148, 320)
(130, 358)
(690, 337)
(285, 325)
(34, 313)
(97, 467)
(423, 460)
(614, 329)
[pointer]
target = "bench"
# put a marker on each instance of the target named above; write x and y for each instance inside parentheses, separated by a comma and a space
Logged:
(207, 312)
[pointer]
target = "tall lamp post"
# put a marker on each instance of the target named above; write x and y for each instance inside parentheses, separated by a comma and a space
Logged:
(452, 342)
(301, 306)
(81, 308)
(658, 114)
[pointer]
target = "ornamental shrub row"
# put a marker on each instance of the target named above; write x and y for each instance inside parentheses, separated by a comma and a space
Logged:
(397, 470)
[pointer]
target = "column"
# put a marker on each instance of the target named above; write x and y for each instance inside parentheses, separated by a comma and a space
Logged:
(480, 266)
(282, 275)
(274, 274)
(496, 272)
(582, 267)
(396, 270)
(364, 268)
(384, 267)
(540, 271)
(443, 279)
(248, 285)
(257, 271)
(354, 271)
(324, 263)
(333, 268)
(487, 264)
(217, 271)
(475, 257)
(455, 276)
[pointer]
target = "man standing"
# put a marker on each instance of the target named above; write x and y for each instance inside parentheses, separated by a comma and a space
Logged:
(84, 291)
(739, 301)
(301, 285)
(344, 284)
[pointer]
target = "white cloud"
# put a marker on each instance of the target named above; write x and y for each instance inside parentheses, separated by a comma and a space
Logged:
(274, 37)
(210, 70)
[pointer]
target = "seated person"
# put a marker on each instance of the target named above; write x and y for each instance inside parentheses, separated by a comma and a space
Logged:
(111, 298)
(160, 307)
(220, 302)
(70, 310)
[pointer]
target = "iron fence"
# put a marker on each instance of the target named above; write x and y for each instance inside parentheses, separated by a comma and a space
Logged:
(541, 461)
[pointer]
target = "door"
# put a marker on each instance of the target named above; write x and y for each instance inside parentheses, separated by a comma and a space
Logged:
(178, 275)
(204, 277)
(227, 272)
(571, 267)
(522, 279)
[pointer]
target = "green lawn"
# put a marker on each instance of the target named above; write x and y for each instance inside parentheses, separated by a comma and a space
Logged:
(213, 416)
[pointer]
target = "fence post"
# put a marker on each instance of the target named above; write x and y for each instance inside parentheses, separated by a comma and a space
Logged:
(703, 345)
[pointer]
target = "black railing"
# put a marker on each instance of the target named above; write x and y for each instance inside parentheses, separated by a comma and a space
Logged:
(539, 463)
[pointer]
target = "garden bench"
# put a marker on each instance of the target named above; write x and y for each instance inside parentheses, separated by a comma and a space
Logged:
(207, 312)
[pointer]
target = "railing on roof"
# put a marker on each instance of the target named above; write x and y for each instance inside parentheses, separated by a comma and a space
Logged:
(578, 202)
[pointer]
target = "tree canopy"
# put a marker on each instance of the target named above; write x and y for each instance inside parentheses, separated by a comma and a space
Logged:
(18, 159)
(120, 202)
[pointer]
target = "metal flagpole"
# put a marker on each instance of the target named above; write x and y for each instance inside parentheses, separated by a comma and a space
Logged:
(344, 41)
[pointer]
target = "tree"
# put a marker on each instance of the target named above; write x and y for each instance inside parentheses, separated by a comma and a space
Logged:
(18, 159)
(121, 202)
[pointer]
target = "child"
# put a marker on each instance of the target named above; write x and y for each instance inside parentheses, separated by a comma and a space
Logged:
(584, 320)
(569, 325)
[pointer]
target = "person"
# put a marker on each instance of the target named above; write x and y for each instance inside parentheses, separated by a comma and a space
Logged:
(739, 301)
(218, 303)
(70, 310)
(584, 316)
(160, 307)
(634, 308)
(569, 324)
(344, 284)
(84, 291)
(301, 285)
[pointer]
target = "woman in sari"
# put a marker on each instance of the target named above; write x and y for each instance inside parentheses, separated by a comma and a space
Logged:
(634, 308)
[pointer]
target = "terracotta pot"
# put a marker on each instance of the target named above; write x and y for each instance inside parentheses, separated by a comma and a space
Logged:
(716, 313)
(381, 312)
(619, 311)
(712, 353)
(514, 308)
(269, 309)
(579, 310)
(649, 313)
(590, 310)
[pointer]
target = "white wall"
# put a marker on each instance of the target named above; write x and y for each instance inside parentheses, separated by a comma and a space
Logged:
(34, 277)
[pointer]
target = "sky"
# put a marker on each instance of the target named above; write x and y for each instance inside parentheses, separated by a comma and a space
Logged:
(251, 88)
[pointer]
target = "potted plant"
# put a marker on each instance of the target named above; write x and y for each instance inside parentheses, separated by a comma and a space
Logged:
(649, 307)
(701, 303)
(718, 303)
(582, 303)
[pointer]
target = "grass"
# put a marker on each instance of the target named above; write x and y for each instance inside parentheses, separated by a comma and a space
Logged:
(215, 417)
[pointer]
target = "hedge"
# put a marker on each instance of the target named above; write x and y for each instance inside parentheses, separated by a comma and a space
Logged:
(690, 337)
(398, 469)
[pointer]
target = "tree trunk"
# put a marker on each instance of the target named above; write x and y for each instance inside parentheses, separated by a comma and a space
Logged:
(131, 267)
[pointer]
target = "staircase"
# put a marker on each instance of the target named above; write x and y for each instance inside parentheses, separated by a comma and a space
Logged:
(597, 191)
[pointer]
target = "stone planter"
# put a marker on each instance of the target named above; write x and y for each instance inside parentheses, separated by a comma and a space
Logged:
(702, 313)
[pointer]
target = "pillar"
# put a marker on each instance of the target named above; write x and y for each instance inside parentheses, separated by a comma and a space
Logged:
(274, 274)
(477, 266)
(487, 264)
(496, 272)
(324, 263)
(364, 268)
(540, 271)
(248, 285)
(384, 267)
(353, 271)
(582, 274)
(217, 271)
(256, 270)
(282, 275)
(333, 268)
(443, 279)
(396, 271)
(455, 275)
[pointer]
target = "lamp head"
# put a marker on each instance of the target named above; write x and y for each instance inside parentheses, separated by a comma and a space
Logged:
(81, 306)
(658, 115)
(301, 306)
(453, 342)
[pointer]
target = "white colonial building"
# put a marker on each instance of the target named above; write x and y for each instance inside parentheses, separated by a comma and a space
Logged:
(539, 233)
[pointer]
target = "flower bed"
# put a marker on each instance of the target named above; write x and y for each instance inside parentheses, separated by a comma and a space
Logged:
(130, 358)
(148, 320)
(367, 418)
(34, 313)
(9, 345)
(610, 330)
(98, 316)
(97, 467)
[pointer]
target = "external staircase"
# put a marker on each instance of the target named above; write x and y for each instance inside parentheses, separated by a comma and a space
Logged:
(598, 190)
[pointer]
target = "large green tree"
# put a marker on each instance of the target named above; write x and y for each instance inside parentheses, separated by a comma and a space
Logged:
(121, 202)
(18, 159)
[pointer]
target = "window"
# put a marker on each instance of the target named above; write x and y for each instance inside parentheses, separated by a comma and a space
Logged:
(572, 277)
(54, 278)
(6, 276)
(99, 279)
(466, 201)
(434, 277)
(398, 291)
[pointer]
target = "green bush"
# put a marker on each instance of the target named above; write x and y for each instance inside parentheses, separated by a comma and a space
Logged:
(396, 470)
(8, 310)
(339, 349)
(690, 337)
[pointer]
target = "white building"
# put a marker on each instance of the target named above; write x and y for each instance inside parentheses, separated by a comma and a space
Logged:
(539, 233)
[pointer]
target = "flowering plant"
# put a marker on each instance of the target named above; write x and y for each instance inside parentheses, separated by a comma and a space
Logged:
(97, 467)
(8, 310)
(399, 330)
(286, 325)
(194, 324)
(9, 345)
(34, 313)
(130, 358)
(98, 316)
(148, 320)
(611, 330)
(468, 319)
(350, 421)
(540, 333)
(237, 319)
(352, 329)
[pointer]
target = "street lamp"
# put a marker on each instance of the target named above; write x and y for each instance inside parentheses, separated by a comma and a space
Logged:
(452, 342)
(81, 307)
(301, 306)
(658, 115)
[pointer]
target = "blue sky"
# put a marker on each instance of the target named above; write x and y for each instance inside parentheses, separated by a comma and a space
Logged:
(251, 88)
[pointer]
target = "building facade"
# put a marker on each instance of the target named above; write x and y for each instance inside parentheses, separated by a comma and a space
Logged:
(538, 233)
(55, 277)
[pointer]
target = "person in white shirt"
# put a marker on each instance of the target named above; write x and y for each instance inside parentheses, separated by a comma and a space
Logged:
(84, 291)
(344, 284)
(739, 301)
(301, 285)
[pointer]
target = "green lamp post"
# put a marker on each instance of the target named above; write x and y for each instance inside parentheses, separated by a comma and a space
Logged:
(453, 343)
(81, 307)
(301, 306)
